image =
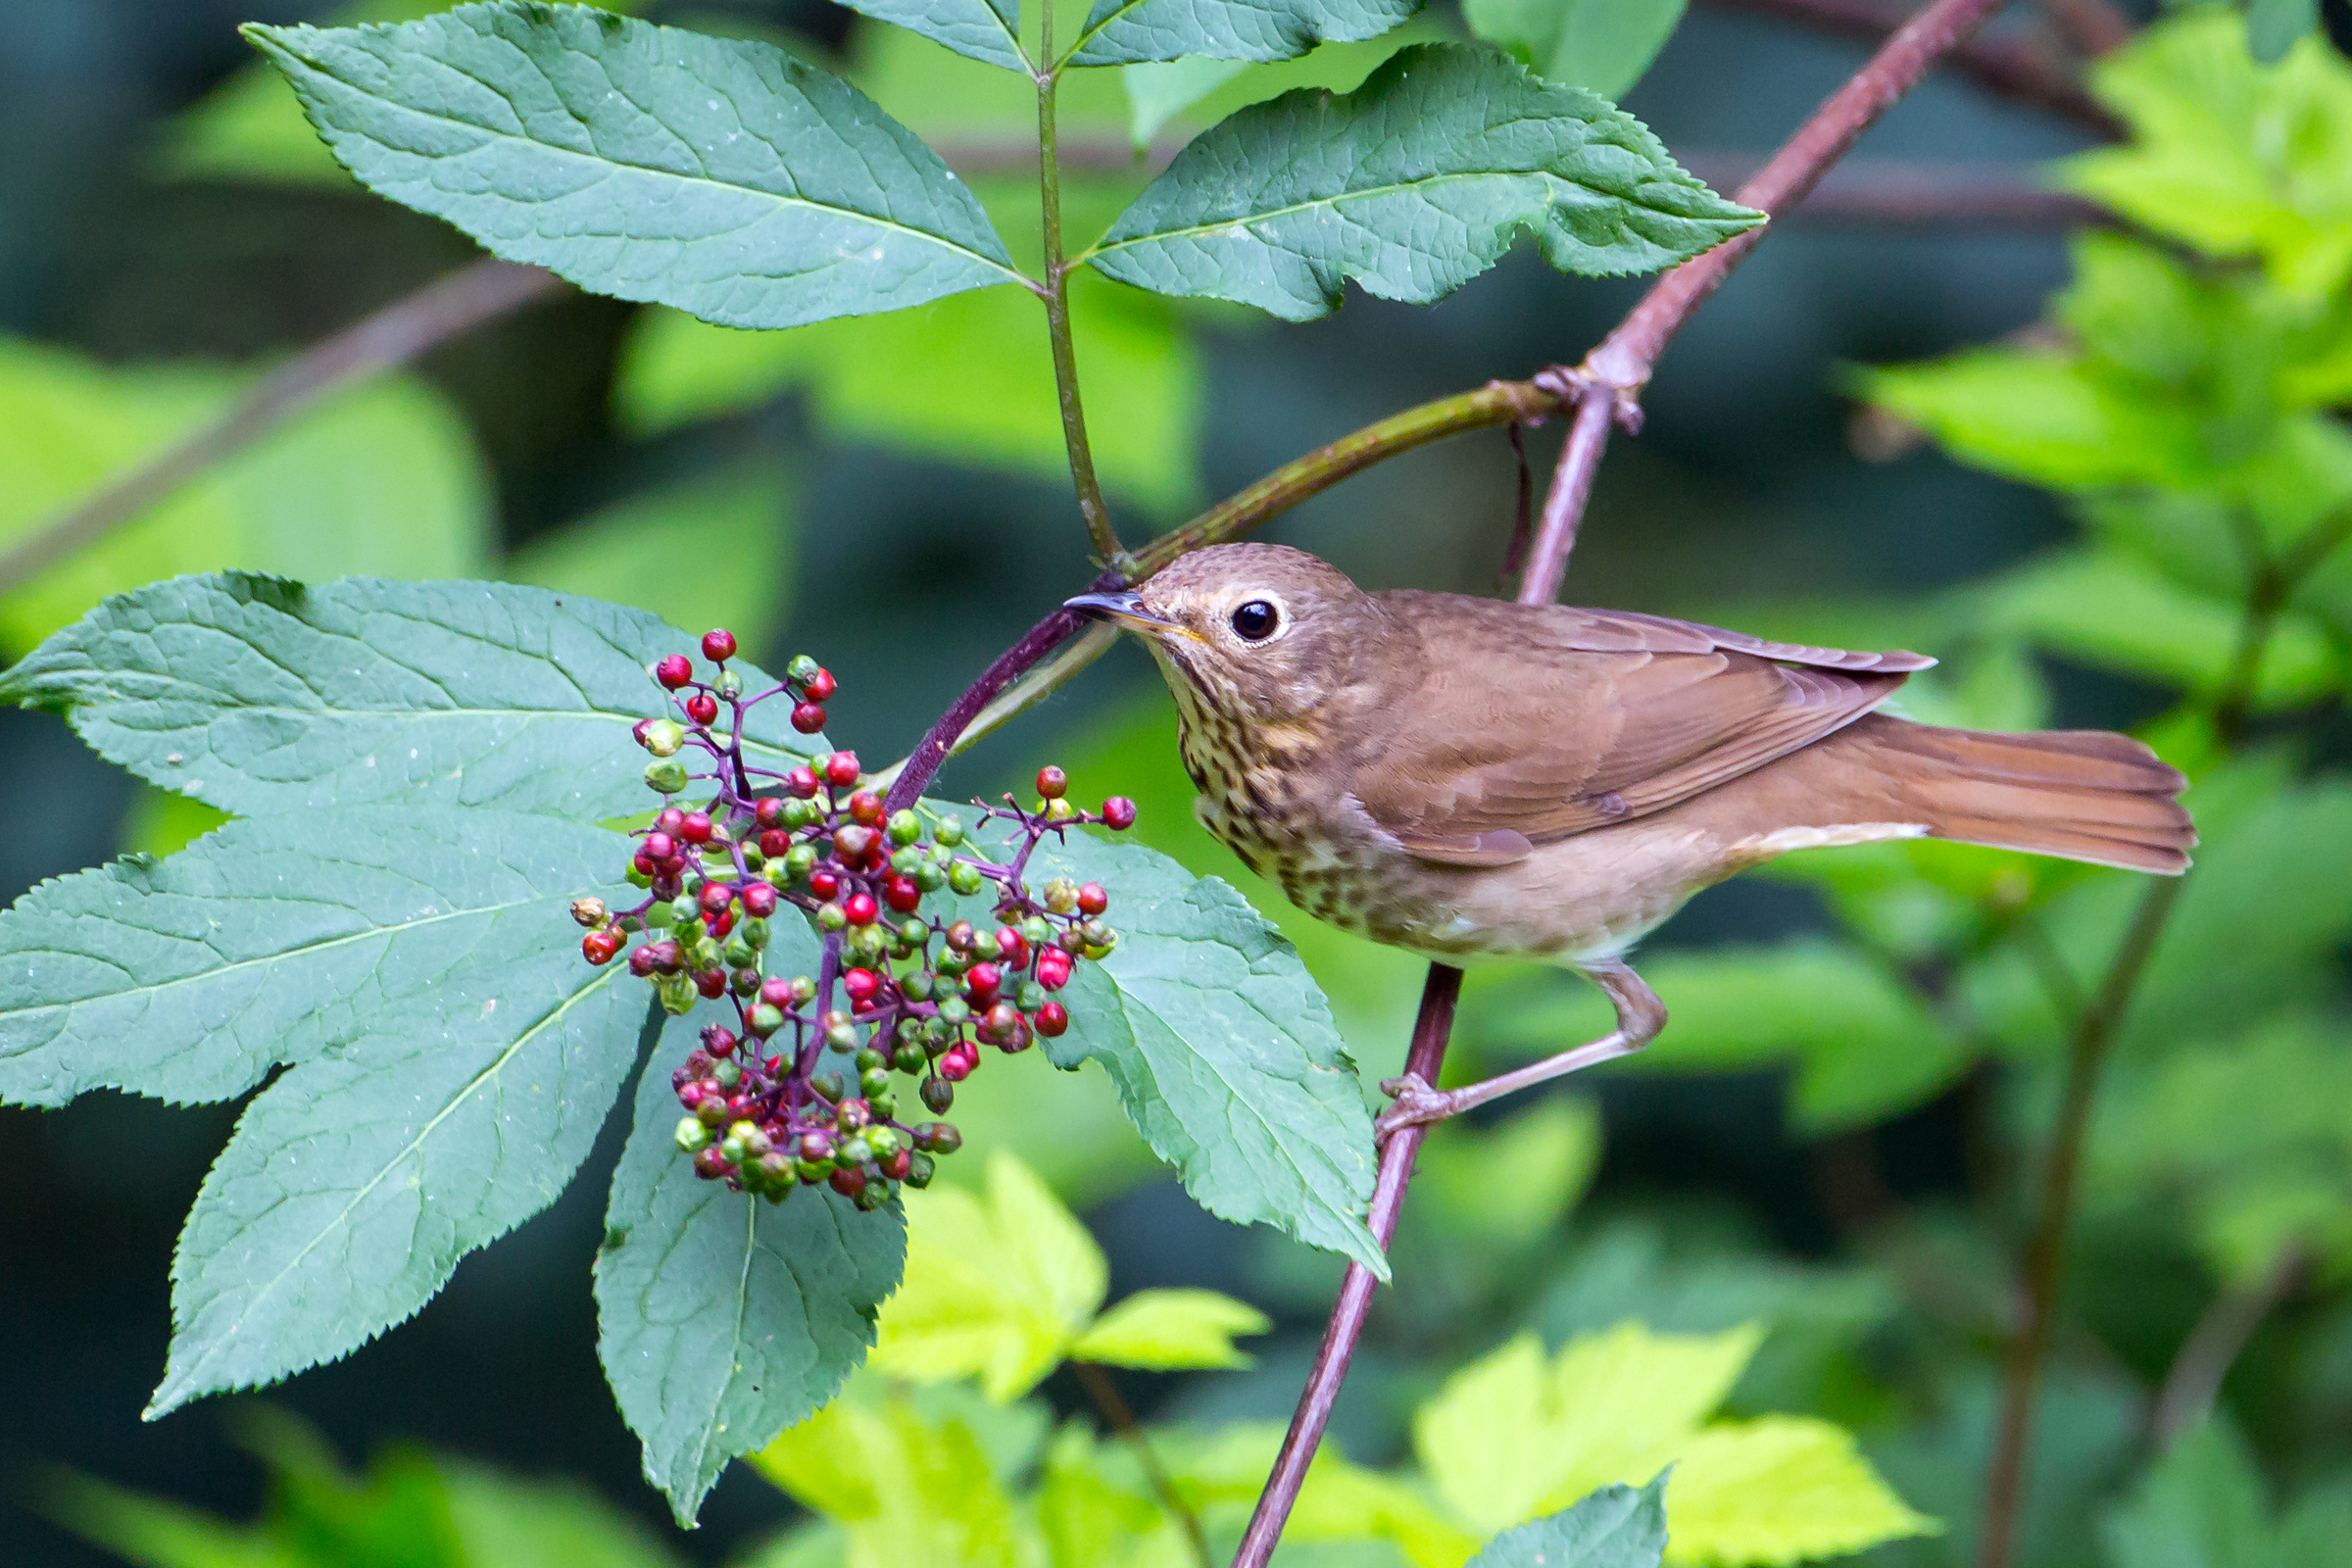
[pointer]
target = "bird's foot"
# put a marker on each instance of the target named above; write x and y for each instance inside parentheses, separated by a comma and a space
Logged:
(1416, 1105)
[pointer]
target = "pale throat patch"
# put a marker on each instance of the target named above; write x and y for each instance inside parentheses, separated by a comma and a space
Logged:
(1783, 841)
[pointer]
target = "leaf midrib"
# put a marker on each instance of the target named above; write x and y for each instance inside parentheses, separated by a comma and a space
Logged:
(489, 1071)
(1011, 274)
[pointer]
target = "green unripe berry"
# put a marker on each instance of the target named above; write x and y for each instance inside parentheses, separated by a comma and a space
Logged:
(802, 670)
(909, 1057)
(676, 992)
(682, 911)
(904, 827)
(731, 1149)
(938, 1032)
(841, 1035)
(744, 1133)
(799, 813)
(803, 990)
(766, 1019)
(799, 861)
(929, 878)
(868, 1058)
(884, 1107)
(966, 878)
(755, 931)
(985, 947)
(744, 981)
(663, 736)
(939, 1095)
(955, 1010)
(706, 955)
(832, 917)
(728, 684)
(919, 1171)
(1036, 931)
(950, 831)
(692, 1135)
(1030, 997)
(905, 862)
(711, 1113)
(855, 1151)
(884, 1140)
(829, 1085)
(873, 1195)
(814, 1171)
(953, 964)
(874, 1082)
(640, 879)
(870, 943)
(667, 777)
(739, 954)
(916, 987)
(728, 1072)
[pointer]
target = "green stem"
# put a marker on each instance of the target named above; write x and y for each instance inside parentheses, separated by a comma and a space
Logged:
(1099, 528)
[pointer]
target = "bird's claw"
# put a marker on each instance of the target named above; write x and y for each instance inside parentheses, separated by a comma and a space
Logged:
(1416, 1105)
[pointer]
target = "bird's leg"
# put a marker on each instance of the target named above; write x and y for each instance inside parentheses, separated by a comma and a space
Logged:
(1640, 1017)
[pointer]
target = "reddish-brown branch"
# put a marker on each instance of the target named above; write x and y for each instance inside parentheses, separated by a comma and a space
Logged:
(2014, 69)
(410, 326)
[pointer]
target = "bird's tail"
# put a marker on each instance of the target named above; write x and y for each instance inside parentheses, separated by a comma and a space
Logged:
(2081, 795)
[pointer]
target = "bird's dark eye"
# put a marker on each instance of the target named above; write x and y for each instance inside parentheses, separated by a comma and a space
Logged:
(1254, 622)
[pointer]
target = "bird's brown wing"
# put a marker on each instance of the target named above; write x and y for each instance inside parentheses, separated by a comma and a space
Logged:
(1533, 724)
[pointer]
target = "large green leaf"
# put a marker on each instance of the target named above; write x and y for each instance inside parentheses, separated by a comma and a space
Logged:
(391, 463)
(722, 177)
(356, 1182)
(271, 942)
(1411, 185)
(988, 30)
(1614, 1527)
(259, 696)
(1222, 1047)
(724, 1320)
(1120, 31)
(1601, 44)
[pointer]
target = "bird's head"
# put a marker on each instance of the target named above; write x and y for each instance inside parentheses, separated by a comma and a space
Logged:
(1254, 632)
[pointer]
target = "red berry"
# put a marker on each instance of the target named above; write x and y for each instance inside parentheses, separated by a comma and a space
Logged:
(1014, 946)
(768, 811)
(711, 983)
(847, 1180)
(1002, 1021)
(641, 963)
(758, 899)
(715, 896)
(720, 924)
(865, 809)
(818, 687)
(860, 908)
(702, 708)
(901, 894)
(598, 946)
(1052, 1019)
(1052, 783)
(808, 717)
(709, 1165)
(774, 844)
(982, 983)
(1092, 899)
(824, 884)
(960, 936)
(719, 1040)
(695, 828)
(851, 841)
(802, 782)
(862, 984)
(841, 769)
(1052, 968)
(777, 993)
(956, 1066)
(899, 1162)
(671, 822)
(718, 645)
(1118, 814)
(675, 671)
(657, 845)
(645, 863)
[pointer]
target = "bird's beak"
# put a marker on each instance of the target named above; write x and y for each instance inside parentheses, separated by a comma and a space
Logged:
(1125, 608)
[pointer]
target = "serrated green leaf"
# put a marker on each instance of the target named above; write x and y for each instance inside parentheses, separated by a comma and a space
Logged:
(2233, 157)
(722, 177)
(1411, 185)
(987, 373)
(273, 941)
(1119, 31)
(1168, 1331)
(391, 463)
(906, 1488)
(356, 1182)
(1614, 1527)
(997, 1288)
(987, 30)
(723, 1319)
(749, 504)
(259, 696)
(1605, 45)
(1223, 1050)
(1782, 1490)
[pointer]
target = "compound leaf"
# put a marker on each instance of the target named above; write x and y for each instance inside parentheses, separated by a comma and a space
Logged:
(1223, 1050)
(719, 176)
(1119, 32)
(356, 1182)
(273, 940)
(257, 694)
(1411, 185)
(1614, 1527)
(724, 1320)
(987, 30)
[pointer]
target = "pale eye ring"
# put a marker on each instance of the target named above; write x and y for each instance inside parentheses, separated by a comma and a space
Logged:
(1256, 620)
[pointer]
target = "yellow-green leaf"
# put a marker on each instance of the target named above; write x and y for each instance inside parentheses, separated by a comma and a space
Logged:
(1169, 1330)
(1783, 1489)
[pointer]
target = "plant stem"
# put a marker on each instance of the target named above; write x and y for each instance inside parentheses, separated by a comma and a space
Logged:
(1427, 1056)
(1099, 528)
(449, 307)
(2213, 1347)
(923, 762)
(1105, 1393)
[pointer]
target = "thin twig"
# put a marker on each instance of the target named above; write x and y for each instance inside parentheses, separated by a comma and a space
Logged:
(2091, 27)
(2011, 69)
(449, 307)
(2214, 1346)
(1427, 1057)
(1107, 1400)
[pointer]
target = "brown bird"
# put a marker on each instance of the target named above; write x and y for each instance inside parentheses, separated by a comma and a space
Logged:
(1469, 778)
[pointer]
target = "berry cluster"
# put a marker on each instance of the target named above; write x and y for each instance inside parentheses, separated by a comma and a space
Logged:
(803, 1088)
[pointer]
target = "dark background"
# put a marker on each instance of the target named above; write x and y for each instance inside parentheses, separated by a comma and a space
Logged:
(1742, 485)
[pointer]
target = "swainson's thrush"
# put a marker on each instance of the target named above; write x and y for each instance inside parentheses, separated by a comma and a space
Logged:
(1469, 778)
